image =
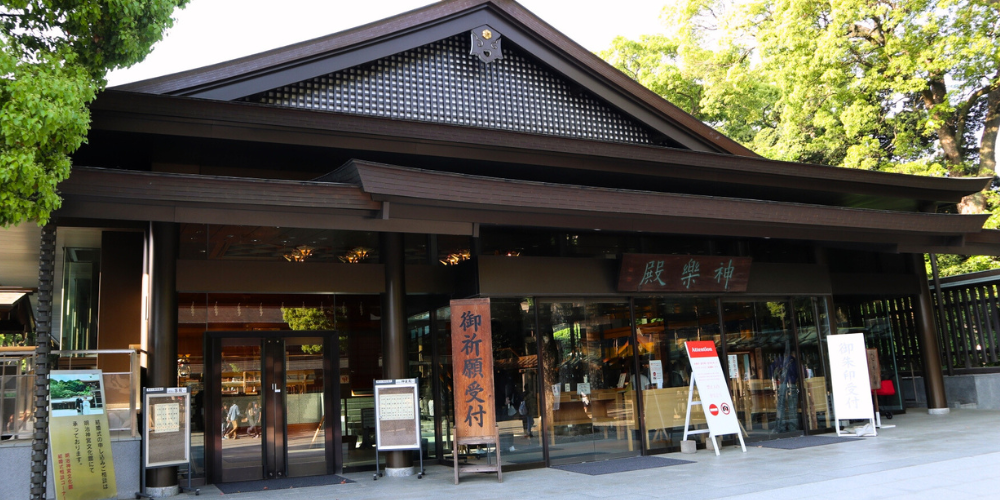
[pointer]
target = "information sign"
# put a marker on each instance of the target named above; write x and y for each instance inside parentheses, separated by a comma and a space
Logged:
(397, 417)
(849, 377)
(711, 382)
(167, 433)
(472, 357)
(656, 373)
(80, 437)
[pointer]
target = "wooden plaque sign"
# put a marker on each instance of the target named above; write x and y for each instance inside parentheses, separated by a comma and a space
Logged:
(683, 273)
(472, 357)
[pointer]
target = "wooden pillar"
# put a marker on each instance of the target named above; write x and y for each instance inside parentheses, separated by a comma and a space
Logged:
(394, 338)
(162, 345)
(929, 351)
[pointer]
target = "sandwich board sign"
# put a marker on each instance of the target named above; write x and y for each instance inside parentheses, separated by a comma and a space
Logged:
(852, 398)
(716, 402)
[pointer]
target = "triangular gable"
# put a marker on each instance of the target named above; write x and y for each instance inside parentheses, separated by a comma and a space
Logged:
(443, 83)
(287, 66)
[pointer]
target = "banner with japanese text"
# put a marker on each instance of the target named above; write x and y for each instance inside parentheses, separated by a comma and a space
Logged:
(683, 273)
(852, 396)
(80, 437)
(712, 388)
(472, 358)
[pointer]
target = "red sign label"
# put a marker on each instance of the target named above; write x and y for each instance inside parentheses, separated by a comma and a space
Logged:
(701, 349)
(714, 410)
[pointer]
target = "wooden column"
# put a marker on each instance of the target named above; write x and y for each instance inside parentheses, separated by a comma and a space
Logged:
(394, 337)
(929, 351)
(162, 344)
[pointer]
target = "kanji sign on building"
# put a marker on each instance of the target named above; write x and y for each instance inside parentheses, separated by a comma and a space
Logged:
(683, 273)
(472, 357)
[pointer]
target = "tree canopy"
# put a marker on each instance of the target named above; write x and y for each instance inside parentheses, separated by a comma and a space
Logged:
(902, 85)
(54, 55)
(910, 86)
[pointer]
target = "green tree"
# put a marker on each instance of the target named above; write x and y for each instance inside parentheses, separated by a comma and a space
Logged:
(895, 85)
(54, 55)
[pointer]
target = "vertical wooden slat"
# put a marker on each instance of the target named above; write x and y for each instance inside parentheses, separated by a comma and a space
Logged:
(968, 336)
(978, 338)
(991, 291)
(987, 333)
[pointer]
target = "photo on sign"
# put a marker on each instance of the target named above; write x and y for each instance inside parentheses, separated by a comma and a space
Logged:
(76, 394)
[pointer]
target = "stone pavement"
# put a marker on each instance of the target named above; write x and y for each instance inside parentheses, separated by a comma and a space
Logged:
(924, 456)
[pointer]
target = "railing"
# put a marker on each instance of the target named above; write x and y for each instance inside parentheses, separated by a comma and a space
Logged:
(969, 331)
(17, 379)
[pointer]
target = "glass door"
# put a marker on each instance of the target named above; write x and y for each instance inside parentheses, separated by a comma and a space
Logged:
(763, 367)
(590, 381)
(272, 398)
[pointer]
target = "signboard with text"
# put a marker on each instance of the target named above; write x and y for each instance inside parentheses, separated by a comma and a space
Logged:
(397, 414)
(167, 433)
(472, 358)
(711, 383)
(849, 377)
(80, 437)
(683, 273)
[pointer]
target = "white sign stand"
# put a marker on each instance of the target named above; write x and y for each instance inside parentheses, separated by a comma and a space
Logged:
(706, 374)
(852, 398)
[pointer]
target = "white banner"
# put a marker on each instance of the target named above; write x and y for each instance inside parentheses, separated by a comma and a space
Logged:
(712, 388)
(852, 397)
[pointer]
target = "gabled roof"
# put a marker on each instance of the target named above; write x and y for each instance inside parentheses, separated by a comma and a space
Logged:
(260, 73)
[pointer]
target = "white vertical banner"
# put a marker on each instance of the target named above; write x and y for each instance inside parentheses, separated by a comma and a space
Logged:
(852, 397)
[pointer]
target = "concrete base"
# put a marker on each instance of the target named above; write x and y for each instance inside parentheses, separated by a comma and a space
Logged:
(400, 472)
(688, 446)
(163, 492)
(971, 392)
(938, 411)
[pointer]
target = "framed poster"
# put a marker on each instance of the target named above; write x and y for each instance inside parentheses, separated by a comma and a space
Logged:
(167, 433)
(397, 414)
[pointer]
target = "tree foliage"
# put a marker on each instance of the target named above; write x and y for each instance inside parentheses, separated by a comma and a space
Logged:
(54, 55)
(895, 85)
(908, 86)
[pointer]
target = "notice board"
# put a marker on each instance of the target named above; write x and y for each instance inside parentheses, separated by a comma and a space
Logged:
(167, 433)
(80, 437)
(472, 358)
(711, 383)
(397, 414)
(849, 376)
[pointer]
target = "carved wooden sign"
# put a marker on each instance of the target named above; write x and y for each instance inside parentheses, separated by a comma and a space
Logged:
(683, 273)
(472, 357)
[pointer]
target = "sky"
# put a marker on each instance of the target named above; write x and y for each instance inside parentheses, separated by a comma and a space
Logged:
(212, 31)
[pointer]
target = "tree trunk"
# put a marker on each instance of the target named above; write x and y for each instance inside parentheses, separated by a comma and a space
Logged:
(973, 204)
(991, 125)
(935, 94)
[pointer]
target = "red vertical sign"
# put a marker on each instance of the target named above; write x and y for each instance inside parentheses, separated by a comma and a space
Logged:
(472, 362)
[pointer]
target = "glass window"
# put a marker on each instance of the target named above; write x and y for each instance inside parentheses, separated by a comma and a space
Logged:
(590, 396)
(515, 378)
(662, 327)
(279, 244)
(760, 344)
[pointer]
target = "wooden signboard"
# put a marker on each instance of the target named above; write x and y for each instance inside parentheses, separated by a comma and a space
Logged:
(683, 273)
(874, 369)
(472, 359)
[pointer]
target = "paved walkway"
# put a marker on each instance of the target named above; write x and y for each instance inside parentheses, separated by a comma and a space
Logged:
(924, 456)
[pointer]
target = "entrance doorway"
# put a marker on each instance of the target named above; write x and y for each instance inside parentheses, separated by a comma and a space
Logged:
(590, 381)
(268, 401)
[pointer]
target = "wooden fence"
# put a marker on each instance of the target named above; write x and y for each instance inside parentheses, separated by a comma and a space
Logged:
(969, 331)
